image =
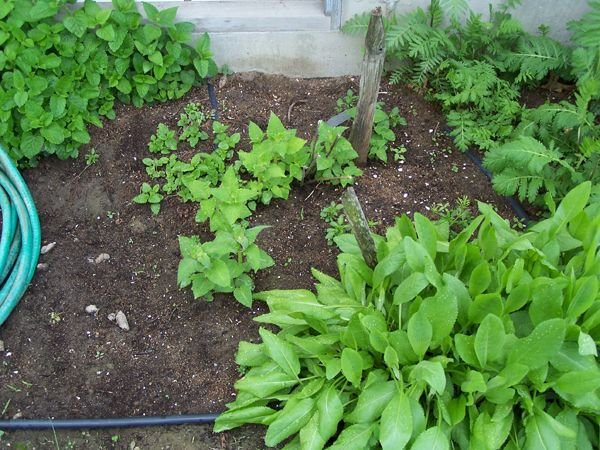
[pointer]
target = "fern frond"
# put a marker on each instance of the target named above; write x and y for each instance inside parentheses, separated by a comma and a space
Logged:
(436, 14)
(535, 57)
(524, 167)
(455, 9)
(586, 31)
(585, 63)
(357, 24)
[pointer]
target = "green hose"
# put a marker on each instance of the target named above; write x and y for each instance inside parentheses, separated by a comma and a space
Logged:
(20, 239)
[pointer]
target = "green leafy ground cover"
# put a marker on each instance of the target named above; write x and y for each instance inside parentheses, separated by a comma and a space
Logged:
(64, 67)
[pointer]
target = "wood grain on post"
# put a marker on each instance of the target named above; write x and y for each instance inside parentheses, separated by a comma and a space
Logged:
(370, 77)
(360, 226)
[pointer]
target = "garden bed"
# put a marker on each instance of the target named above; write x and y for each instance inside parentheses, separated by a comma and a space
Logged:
(178, 357)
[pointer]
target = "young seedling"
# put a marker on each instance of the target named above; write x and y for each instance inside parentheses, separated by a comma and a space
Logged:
(149, 195)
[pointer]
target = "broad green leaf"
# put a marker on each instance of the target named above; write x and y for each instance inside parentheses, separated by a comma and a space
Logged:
(465, 346)
(371, 402)
(491, 432)
(106, 33)
(585, 296)
(250, 355)
(352, 366)
(218, 273)
(480, 279)
(76, 24)
(485, 304)
(540, 346)
(281, 352)
(420, 332)
(540, 435)
(396, 423)
(427, 234)
(255, 133)
(474, 382)
(54, 133)
(238, 417)
(441, 311)
(331, 412)
(31, 145)
(410, 288)
(310, 438)
(294, 415)
(431, 439)
(578, 383)
(587, 345)
(297, 300)
(354, 437)
(20, 98)
(489, 340)
(431, 373)
(265, 384)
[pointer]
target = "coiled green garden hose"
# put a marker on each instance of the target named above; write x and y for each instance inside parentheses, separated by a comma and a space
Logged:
(20, 239)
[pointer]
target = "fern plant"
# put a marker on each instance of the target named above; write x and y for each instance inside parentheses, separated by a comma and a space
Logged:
(586, 37)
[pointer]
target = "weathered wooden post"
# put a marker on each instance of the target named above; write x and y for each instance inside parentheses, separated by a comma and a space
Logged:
(370, 77)
(360, 226)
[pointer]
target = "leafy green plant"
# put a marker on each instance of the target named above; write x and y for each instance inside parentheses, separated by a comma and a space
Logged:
(332, 158)
(149, 195)
(487, 340)
(276, 159)
(64, 68)
(458, 216)
(334, 217)
(224, 142)
(191, 121)
(164, 141)
(222, 265)
(91, 157)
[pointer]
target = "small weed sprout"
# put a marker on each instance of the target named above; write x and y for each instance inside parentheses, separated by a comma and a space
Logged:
(334, 217)
(457, 217)
(164, 141)
(91, 157)
(55, 318)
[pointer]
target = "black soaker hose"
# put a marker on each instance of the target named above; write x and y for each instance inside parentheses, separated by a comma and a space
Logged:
(118, 422)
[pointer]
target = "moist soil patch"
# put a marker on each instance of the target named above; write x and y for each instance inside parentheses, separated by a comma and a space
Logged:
(178, 357)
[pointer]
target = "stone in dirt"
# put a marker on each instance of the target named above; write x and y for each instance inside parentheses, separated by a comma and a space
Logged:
(122, 321)
(101, 258)
(46, 248)
(91, 309)
(1, 346)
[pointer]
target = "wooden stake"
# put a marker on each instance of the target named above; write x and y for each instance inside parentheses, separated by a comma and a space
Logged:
(370, 78)
(360, 226)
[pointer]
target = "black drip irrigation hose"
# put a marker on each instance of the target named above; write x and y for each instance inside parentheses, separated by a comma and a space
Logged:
(214, 104)
(117, 422)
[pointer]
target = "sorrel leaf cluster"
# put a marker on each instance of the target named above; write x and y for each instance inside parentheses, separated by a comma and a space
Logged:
(63, 67)
(487, 341)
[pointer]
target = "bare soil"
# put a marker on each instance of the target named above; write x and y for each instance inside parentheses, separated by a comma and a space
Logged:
(178, 357)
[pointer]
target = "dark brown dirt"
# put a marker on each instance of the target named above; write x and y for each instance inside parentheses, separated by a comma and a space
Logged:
(178, 357)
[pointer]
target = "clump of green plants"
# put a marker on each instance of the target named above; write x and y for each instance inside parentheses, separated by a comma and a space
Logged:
(149, 195)
(91, 157)
(333, 215)
(222, 265)
(486, 340)
(191, 121)
(457, 216)
(277, 158)
(332, 157)
(164, 141)
(383, 123)
(63, 69)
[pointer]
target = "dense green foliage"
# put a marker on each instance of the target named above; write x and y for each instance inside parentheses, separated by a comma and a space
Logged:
(487, 340)
(63, 67)
(478, 67)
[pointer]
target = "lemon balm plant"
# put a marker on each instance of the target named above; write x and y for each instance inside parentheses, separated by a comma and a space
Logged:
(487, 340)
(64, 68)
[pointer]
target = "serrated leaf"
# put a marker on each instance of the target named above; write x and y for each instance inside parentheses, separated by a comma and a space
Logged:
(281, 352)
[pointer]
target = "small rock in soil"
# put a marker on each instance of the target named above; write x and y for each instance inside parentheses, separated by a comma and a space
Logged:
(112, 317)
(101, 258)
(1, 346)
(122, 321)
(42, 266)
(91, 309)
(46, 248)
